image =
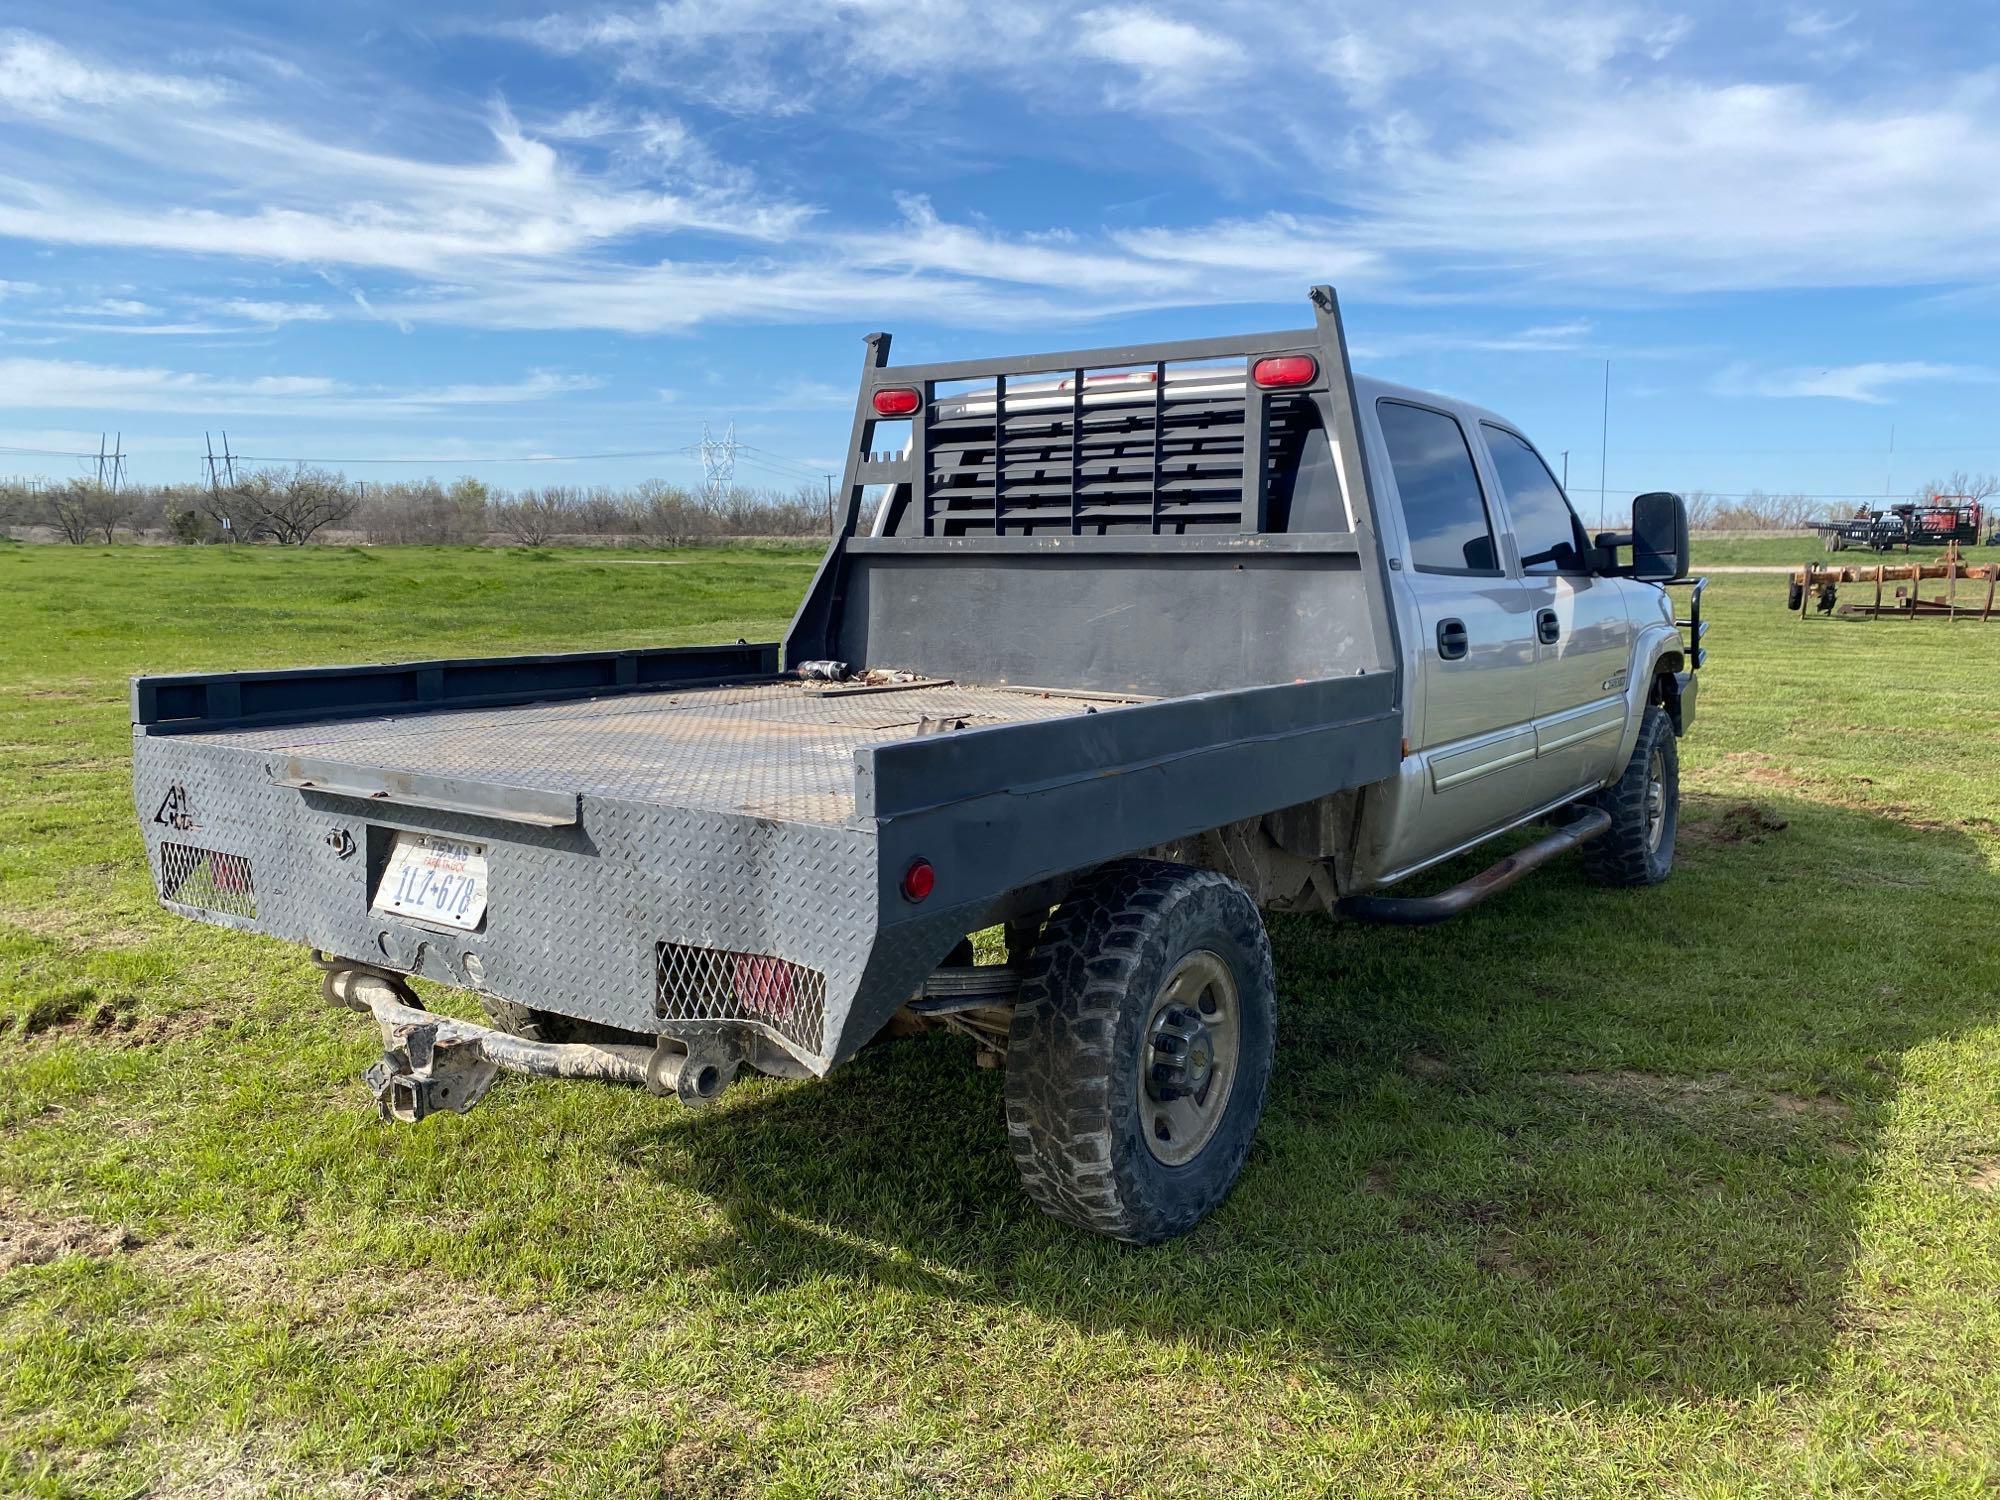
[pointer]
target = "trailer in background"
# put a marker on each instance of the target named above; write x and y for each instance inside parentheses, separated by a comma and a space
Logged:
(1814, 588)
(1941, 521)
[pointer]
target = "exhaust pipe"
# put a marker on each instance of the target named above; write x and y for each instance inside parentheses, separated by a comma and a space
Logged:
(431, 1063)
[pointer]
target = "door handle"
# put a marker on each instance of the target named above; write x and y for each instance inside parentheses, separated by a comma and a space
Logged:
(1548, 629)
(1453, 642)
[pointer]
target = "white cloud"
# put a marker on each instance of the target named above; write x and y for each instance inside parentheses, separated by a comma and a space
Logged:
(1815, 25)
(1167, 54)
(112, 307)
(1466, 173)
(1864, 382)
(1684, 187)
(76, 385)
(274, 313)
(39, 78)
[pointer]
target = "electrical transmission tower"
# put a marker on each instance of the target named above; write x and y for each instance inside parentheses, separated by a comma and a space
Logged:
(718, 464)
(111, 464)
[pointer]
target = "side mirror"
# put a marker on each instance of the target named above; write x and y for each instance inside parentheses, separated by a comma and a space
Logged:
(1660, 549)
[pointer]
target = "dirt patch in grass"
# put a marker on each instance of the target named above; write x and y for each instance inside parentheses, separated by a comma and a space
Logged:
(1763, 768)
(1428, 1067)
(83, 1013)
(1704, 1095)
(1745, 823)
(31, 1239)
(1985, 1178)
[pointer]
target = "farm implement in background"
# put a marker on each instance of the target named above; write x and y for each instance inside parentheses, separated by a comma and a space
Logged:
(1897, 589)
(1942, 521)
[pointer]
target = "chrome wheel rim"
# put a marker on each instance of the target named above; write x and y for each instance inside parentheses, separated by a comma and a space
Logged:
(1656, 800)
(1188, 1053)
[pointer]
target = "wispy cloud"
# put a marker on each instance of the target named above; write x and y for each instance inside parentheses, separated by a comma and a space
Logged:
(274, 313)
(1419, 153)
(1868, 382)
(65, 385)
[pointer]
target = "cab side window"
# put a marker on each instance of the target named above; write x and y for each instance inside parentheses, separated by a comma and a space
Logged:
(1444, 508)
(1547, 531)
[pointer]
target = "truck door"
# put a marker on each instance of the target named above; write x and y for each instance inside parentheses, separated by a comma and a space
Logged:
(1475, 649)
(1583, 633)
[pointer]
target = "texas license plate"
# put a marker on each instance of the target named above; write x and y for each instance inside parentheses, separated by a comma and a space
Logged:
(434, 880)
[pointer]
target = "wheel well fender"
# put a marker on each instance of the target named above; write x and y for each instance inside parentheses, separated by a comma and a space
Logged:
(1657, 654)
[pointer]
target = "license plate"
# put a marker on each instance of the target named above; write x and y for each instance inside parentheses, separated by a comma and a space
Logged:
(434, 880)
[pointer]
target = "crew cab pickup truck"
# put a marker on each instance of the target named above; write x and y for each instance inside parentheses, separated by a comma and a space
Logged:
(1112, 649)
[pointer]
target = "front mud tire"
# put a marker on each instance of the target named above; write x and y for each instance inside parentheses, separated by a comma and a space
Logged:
(1139, 975)
(1644, 804)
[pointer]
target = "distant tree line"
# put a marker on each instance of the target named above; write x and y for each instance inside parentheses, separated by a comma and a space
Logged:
(306, 504)
(1762, 511)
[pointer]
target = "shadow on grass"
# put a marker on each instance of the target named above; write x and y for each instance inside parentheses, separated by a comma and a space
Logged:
(1581, 1145)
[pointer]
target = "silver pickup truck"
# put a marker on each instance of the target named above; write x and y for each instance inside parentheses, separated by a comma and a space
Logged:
(1112, 648)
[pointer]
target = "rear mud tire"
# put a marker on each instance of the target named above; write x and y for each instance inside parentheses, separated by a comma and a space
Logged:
(1644, 804)
(1083, 1044)
(528, 1023)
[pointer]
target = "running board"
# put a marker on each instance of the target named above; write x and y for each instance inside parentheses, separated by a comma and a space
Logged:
(1417, 911)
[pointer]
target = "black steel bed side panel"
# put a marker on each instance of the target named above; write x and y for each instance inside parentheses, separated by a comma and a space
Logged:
(218, 700)
(1018, 760)
(822, 627)
(1000, 810)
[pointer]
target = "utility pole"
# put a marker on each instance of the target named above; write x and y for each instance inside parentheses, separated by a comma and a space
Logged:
(1565, 471)
(1603, 446)
(829, 505)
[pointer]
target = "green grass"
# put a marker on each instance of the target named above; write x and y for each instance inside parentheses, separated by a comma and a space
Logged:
(1757, 551)
(1590, 1192)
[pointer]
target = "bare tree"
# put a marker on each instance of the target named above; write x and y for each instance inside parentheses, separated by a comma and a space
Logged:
(83, 509)
(534, 518)
(1960, 482)
(290, 507)
(1702, 508)
(666, 514)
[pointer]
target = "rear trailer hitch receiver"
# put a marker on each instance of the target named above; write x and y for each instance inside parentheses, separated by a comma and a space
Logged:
(432, 1063)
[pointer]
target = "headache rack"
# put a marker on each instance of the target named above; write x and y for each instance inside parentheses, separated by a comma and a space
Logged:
(1176, 447)
(1201, 436)
(1147, 519)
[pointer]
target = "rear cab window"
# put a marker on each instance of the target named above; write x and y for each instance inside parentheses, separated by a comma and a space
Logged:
(1444, 507)
(1546, 529)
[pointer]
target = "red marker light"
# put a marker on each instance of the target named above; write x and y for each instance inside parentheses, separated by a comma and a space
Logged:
(919, 880)
(896, 402)
(1284, 370)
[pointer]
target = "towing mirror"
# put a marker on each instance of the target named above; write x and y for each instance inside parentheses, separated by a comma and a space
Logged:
(1660, 550)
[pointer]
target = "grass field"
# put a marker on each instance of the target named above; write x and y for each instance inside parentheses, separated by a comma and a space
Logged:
(1693, 1190)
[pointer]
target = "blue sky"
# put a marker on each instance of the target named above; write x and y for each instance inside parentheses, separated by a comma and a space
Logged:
(359, 231)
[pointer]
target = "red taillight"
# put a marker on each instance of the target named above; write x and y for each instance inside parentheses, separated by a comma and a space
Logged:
(919, 880)
(896, 403)
(1282, 370)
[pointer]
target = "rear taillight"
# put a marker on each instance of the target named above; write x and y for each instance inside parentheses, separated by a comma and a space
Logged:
(919, 880)
(1281, 371)
(896, 402)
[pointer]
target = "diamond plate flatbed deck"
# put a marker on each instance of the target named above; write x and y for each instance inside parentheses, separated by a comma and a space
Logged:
(782, 750)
